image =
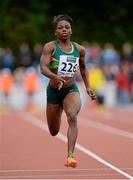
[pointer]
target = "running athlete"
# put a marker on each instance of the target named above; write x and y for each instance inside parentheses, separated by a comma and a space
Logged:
(59, 61)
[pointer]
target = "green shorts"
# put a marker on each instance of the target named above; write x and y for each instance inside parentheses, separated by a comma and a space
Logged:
(55, 96)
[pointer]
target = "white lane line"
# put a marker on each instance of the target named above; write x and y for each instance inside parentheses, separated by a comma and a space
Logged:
(106, 128)
(40, 124)
(66, 175)
(20, 178)
(33, 178)
(56, 170)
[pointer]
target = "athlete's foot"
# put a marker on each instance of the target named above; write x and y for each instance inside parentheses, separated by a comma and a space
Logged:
(71, 162)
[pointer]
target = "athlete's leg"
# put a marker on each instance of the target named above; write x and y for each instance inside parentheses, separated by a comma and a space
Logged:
(54, 112)
(71, 106)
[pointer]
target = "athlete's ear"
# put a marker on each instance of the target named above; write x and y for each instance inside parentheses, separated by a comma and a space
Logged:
(55, 34)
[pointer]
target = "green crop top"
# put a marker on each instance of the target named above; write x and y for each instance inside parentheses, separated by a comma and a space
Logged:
(58, 52)
(66, 62)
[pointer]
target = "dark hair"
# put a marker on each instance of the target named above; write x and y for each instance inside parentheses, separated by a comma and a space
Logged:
(61, 17)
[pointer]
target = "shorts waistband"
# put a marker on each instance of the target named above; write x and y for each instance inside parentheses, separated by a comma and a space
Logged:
(65, 88)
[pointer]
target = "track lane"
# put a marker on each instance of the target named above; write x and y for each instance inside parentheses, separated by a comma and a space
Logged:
(31, 143)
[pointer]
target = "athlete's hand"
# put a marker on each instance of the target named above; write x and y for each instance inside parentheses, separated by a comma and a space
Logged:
(60, 85)
(91, 93)
(59, 80)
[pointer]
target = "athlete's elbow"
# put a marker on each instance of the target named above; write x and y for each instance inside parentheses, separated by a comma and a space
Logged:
(42, 70)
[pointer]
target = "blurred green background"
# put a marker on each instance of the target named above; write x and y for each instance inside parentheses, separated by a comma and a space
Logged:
(30, 21)
(104, 28)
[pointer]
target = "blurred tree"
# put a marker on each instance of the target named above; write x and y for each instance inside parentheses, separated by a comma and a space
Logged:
(98, 20)
(25, 20)
(30, 20)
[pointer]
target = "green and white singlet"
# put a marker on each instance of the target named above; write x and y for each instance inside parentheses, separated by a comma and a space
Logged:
(66, 62)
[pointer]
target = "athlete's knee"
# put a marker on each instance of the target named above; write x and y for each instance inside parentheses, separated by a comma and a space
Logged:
(72, 118)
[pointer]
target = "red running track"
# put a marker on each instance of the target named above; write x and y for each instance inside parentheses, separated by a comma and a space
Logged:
(104, 148)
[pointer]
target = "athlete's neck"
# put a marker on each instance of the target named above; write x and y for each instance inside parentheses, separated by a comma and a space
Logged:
(65, 45)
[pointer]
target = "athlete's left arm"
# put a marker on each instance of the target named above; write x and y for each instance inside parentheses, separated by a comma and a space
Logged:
(84, 72)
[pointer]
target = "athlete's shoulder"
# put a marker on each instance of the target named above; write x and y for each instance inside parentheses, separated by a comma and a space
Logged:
(80, 48)
(49, 45)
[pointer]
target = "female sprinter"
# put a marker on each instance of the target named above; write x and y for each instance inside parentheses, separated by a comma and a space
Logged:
(59, 61)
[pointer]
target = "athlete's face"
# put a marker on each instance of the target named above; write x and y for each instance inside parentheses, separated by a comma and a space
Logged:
(63, 30)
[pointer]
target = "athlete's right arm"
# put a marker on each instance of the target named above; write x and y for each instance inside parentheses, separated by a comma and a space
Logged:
(45, 61)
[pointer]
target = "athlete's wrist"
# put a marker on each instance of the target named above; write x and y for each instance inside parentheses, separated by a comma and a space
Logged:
(54, 77)
(88, 88)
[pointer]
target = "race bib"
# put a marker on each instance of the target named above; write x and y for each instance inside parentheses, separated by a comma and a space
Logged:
(68, 65)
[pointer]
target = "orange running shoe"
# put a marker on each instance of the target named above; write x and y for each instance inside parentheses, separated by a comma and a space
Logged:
(70, 162)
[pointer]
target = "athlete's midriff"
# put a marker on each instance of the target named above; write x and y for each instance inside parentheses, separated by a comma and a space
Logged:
(68, 80)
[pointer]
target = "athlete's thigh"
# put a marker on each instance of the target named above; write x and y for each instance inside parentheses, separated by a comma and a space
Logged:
(72, 103)
(53, 112)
